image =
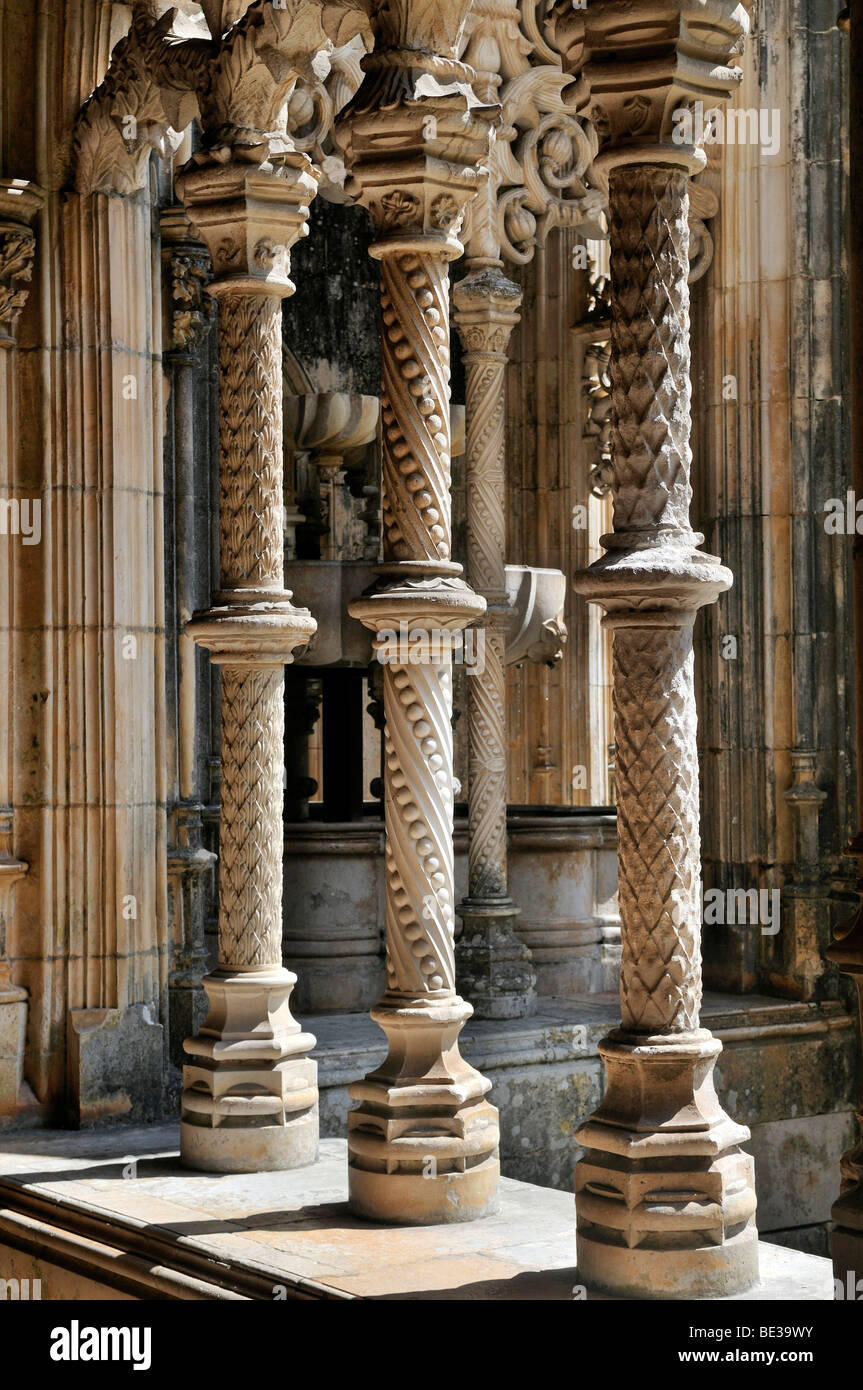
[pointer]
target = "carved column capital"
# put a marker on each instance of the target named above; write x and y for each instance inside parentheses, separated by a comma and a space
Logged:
(643, 71)
(188, 268)
(20, 201)
(238, 80)
(249, 214)
(487, 306)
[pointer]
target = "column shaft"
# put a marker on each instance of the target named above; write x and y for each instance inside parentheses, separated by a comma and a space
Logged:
(494, 965)
(250, 1100)
(664, 1193)
(423, 1141)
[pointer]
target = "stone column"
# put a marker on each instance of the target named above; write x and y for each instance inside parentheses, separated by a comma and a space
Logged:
(250, 1098)
(423, 1141)
(664, 1193)
(846, 1240)
(186, 272)
(494, 966)
(19, 204)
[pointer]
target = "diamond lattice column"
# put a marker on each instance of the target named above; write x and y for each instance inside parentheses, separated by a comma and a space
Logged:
(664, 1191)
(423, 1141)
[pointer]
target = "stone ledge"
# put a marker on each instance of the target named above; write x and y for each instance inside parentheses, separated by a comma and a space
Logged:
(113, 1215)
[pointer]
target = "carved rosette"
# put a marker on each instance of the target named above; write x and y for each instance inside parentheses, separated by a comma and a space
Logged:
(664, 1192)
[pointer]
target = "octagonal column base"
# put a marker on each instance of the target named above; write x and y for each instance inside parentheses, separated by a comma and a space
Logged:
(423, 1142)
(250, 1096)
(493, 966)
(665, 1195)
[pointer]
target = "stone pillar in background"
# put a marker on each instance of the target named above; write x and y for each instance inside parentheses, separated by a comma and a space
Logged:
(423, 1142)
(250, 1098)
(494, 966)
(664, 1192)
(186, 267)
(847, 950)
(19, 204)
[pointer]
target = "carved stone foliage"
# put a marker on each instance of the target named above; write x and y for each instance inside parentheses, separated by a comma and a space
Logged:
(596, 386)
(543, 152)
(193, 308)
(129, 115)
(17, 249)
(239, 83)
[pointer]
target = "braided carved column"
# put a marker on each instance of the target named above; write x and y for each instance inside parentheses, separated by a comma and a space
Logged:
(846, 1240)
(423, 1141)
(664, 1192)
(494, 966)
(250, 1098)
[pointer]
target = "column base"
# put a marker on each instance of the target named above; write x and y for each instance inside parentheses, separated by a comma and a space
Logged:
(115, 1060)
(250, 1097)
(846, 1238)
(13, 1034)
(665, 1196)
(493, 966)
(423, 1142)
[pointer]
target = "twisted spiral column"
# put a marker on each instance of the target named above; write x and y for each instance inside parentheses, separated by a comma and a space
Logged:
(494, 965)
(664, 1193)
(250, 1099)
(423, 1141)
